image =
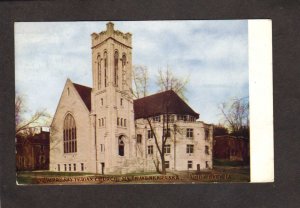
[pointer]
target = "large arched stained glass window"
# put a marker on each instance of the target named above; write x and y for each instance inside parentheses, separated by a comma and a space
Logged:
(70, 135)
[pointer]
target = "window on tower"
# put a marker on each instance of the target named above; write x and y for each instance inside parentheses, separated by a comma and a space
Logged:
(105, 69)
(121, 147)
(123, 60)
(116, 62)
(99, 71)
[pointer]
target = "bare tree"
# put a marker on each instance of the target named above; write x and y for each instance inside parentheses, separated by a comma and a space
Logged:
(169, 129)
(39, 118)
(166, 80)
(140, 81)
(236, 115)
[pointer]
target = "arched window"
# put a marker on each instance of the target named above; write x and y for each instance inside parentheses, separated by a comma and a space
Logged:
(105, 69)
(123, 67)
(123, 60)
(70, 135)
(99, 71)
(121, 146)
(116, 63)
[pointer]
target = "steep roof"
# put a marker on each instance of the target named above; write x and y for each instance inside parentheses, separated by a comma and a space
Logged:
(85, 94)
(160, 103)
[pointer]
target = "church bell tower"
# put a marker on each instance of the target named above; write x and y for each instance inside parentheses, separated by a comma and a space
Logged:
(112, 103)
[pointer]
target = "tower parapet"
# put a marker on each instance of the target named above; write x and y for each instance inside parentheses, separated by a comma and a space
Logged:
(110, 32)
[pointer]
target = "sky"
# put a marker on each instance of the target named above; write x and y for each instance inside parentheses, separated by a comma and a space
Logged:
(213, 54)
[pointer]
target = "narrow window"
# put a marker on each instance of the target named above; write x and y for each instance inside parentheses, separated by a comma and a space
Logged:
(167, 164)
(121, 101)
(102, 101)
(121, 122)
(70, 167)
(58, 167)
(150, 150)
(116, 62)
(74, 166)
(125, 122)
(102, 119)
(139, 138)
(206, 164)
(99, 71)
(65, 167)
(118, 121)
(121, 147)
(82, 167)
(206, 134)
(190, 164)
(105, 69)
(206, 150)
(123, 60)
(68, 90)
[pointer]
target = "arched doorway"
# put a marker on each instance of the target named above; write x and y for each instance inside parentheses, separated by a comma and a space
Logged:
(121, 145)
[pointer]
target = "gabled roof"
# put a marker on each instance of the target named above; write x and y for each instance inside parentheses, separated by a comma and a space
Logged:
(161, 103)
(85, 94)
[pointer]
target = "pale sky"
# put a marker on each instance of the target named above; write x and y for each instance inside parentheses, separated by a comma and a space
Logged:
(214, 54)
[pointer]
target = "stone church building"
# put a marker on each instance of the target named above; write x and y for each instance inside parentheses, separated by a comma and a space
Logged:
(104, 130)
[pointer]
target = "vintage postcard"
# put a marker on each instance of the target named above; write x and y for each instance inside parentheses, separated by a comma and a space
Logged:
(143, 102)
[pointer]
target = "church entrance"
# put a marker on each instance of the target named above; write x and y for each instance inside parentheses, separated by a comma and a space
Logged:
(121, 145)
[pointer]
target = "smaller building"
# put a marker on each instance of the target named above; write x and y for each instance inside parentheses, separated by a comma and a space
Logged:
(231, 148)
(32, 149)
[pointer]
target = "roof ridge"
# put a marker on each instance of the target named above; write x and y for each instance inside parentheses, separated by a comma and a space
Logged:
(81, 85)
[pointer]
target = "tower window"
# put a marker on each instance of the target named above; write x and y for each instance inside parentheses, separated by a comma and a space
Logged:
(121, 101)
(82, 167)
(118, 121)
(105, 69)
(121, 147)
(99, 71)
(68, 90)
(116, 62)
(74, 166)
(123, 60)
(121, 121)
